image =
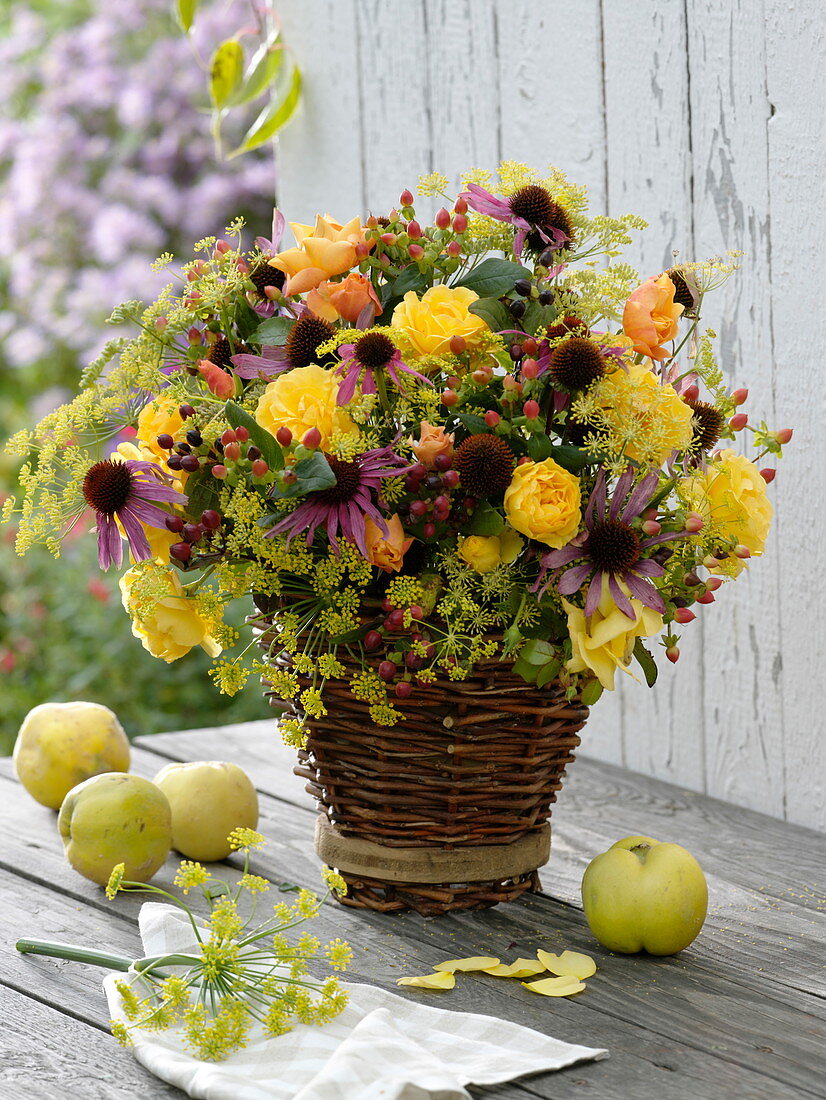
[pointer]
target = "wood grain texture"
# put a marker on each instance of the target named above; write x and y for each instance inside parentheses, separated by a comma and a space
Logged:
(797, 194)
(660, 1017)
(706, 118)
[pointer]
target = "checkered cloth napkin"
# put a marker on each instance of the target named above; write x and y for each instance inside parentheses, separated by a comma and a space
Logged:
(381, 1047)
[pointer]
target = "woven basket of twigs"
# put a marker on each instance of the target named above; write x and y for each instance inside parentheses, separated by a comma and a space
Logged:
(449, 808)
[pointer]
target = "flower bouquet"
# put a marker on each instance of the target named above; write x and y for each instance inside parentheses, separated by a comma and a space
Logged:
(467, 471)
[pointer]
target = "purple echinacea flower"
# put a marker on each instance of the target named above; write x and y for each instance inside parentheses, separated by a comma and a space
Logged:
(530, 210)
(125, 491)
(343, 508)
(370, 353)
(611, 548)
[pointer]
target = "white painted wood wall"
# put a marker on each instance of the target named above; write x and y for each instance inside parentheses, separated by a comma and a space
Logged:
(706, 117)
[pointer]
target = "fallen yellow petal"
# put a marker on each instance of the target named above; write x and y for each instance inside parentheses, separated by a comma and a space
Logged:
(443, 980)
(477, 962)
(568, 964)
(562, 986)
(522, 968)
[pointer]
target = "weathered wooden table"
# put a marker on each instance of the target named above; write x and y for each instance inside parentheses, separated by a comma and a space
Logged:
(740, 1014)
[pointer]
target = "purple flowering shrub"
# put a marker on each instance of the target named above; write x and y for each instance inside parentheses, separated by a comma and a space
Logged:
(106, 161)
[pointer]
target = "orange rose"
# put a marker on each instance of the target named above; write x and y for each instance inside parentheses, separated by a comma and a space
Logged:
(386, 551)
(345, 299)
(325, 249)
(650, 317)
(433, 441)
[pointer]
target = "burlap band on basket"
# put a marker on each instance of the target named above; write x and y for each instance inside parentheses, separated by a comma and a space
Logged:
(448, 809)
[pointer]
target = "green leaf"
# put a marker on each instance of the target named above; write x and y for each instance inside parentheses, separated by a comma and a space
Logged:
(485, 520)
(262, 70)
(548, 672)
(572, 458)
(474, 424)
(591, 692)
(273, 117)
(493, 277)
(410, 279)
(225, 71)
(646, 662)
(537, 652)
(527, 671)
(274, 330)
(266, 444)
(202, 491)
(536, 317)
(540, 447)
(495, 315)
(313, 473)
(186, 10)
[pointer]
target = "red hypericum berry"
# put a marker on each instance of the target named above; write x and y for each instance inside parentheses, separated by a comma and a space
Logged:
(530, 346)
(195, 337)
(459, 223)
(450, 479)
(739, 397)
(229, 436)
(454, 249)
(211, 520)
(441, 503)
(741, 551)
(386, 606)
(449, 398)
(185, 411)
(683, 615)
(414, 230)
(403, 689)
(406, 198)
(418, 508)
(429, 530)
(442, 463)
(415, 251)
(388, 238)
(706, 597)
(673, 654)
(312, 439)
(481, 377)
(372, 640)
(460, 206)
(413, 661)
(253, 453)
(181, 551)
(768, 475)
(492, 418)
(515, 352)
(165, 441)
(284, 436)
(784, 435)
(694, 523)
(289, 477)
(713, 583)
(242, 434)
(531, 409)
(259, 468)
(232, 451)
(442, 218)
(458, 344)
(691, 393)
(416, 612)
(524, 459)
(190, 463)
(738, 421)
(387, 670)
(530, 368)
(174, 524)
(193, 532)
(218, 470)
(651, 527)
(691, 579)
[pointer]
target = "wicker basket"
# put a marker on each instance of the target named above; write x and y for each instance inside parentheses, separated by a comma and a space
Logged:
(448, 809)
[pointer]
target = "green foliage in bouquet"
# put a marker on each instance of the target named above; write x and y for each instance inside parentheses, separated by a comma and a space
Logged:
(416, 447)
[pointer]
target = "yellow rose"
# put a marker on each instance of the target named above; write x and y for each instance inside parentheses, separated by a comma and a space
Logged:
(301, 399)
(159, 416)
(605, 641)
(651, 315)
(730, 495)
(543, 502)
(325, 249)
(386, 551)
(485, 552)
(646, 419)
(433, 441)
(430, 322)
(172, 626)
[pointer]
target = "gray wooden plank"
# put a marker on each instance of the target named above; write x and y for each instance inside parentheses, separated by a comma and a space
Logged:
(772, 927)
(48, 1055)
(674, 1003)
(646, 1063)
